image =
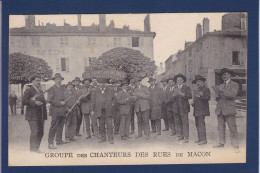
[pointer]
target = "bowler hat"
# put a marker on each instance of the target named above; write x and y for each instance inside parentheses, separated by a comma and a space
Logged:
(226, 70)
(198, 77)
(57, 75)
(77, 79)
(123, 82)
(113, 81)
(170, 78)
(103, 80)
(164, 80)
(70, 83)
(86, 80)
(151, 79)
(179, 75)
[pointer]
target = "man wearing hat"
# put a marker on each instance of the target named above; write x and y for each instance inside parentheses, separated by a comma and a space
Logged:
(86, 108)
(124, 100)
(142, 108)
(36, 112)
(102, 107)
(155, 105)
(164, 104)
(226, 109)
(73, 113)
(77, 88)
(201, 108)
(132, 113)
(57, 110)
(182, 94)
(115, 110)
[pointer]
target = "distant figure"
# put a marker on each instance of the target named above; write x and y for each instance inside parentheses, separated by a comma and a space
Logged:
(12, 102)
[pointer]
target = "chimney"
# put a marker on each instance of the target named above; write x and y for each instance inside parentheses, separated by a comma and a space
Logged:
(205, 25)
(79, 20)
(29, 21)
(147, 26)
(198, 31)
(102, 22)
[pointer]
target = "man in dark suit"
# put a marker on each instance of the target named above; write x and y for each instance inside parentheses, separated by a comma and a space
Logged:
(226, 109)
(182, 94)
(132, 113)
(36, 112)
(57, 111)
(115, 110)
(201, 108)
(164, 105)
(142, 108)
(102, 108)
(77, 88)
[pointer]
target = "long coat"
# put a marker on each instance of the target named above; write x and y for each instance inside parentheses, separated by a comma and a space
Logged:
(115, 104)
(97, 104)
(71, 99)
(86, 103)
(55, 96)
(156, 98)
(182, 102)
(143, 95)
(172, 105)
(226, 99)
(123, 103)
(201, 104)
(33, 111)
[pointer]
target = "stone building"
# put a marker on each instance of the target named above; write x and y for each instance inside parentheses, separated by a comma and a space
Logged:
(69, 49)
(212, 51)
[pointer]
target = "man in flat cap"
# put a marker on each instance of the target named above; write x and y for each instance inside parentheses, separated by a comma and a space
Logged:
(201, 108)
(182, 94)
(102, 108)
(226, 109)
(57, 110)
(77, 88)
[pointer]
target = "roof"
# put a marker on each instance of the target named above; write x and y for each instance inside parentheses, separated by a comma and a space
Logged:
(93, 30)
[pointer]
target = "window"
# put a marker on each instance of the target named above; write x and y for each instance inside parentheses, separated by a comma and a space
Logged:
(135, 41)
(64, 41)
(62, 64)
(235, 58)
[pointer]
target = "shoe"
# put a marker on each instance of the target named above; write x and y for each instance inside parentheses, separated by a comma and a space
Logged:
(202, 142)
(128, 137)
(219, 146)
(153, 131)
(186, 140)
(62, 142)
(88, 137)
(166, 129)
(102, 140)
(159, 134)
(139, 136)
(147, 137)
(132, 132)
(116, 133)
(111, 141)
(77, 134)
(72, 139)
(51, 146)
(123, 138)
(197, 141)
(180, 138)
(173, 133)
(236, 150)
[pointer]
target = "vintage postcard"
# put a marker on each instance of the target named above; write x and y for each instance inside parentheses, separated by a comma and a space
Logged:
(127, 89)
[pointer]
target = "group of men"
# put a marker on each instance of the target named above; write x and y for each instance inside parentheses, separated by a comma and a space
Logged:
(108, 107)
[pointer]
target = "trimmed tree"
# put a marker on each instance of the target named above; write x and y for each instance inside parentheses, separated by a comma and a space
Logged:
(130, 61)
(23, 67)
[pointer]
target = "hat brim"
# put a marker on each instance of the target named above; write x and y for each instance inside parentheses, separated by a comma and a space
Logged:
(180, 75)
(57, 77)
(86, 80)
(227, 71)
(195, 80)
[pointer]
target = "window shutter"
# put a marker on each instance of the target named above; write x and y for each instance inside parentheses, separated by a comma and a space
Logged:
(67, 64)
(58, 64)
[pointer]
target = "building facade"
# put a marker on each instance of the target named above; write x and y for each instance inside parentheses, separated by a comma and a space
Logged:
(213, 51)
(69, 49)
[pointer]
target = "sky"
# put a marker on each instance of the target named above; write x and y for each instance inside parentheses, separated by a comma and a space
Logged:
(172, 29)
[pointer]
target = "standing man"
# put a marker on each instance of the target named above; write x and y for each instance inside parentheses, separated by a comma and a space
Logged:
(142, 109)
(12, 102)
(155, 106)
(73, 113)
(201, 108)
(182, 93)
(226, 109)
(102, 106)
(124, 102)
(57, 111)
(115, 110)
(164, 105)
(86, 108)
(36, 113)
(77, 87)
(132, 112)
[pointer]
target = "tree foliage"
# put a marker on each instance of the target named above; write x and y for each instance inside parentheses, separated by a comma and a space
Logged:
(130, 61)
(23, 67)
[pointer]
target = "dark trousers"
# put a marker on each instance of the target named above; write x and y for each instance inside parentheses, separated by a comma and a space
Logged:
(231, 122)
(171, 119)
(13, 109)
(156, 126)
(37, 129)
(79, 122)
(182, 124)
(87, 122)
(105, 124)
(201, 128)
(165, 118)
(124, 124)
(70, 125)
(22, 109)
(132, 118)
(116, 121)
(143, 123)
(94, 124)
(57, 123)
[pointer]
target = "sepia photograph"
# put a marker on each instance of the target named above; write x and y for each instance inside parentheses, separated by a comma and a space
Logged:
(127, 89)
